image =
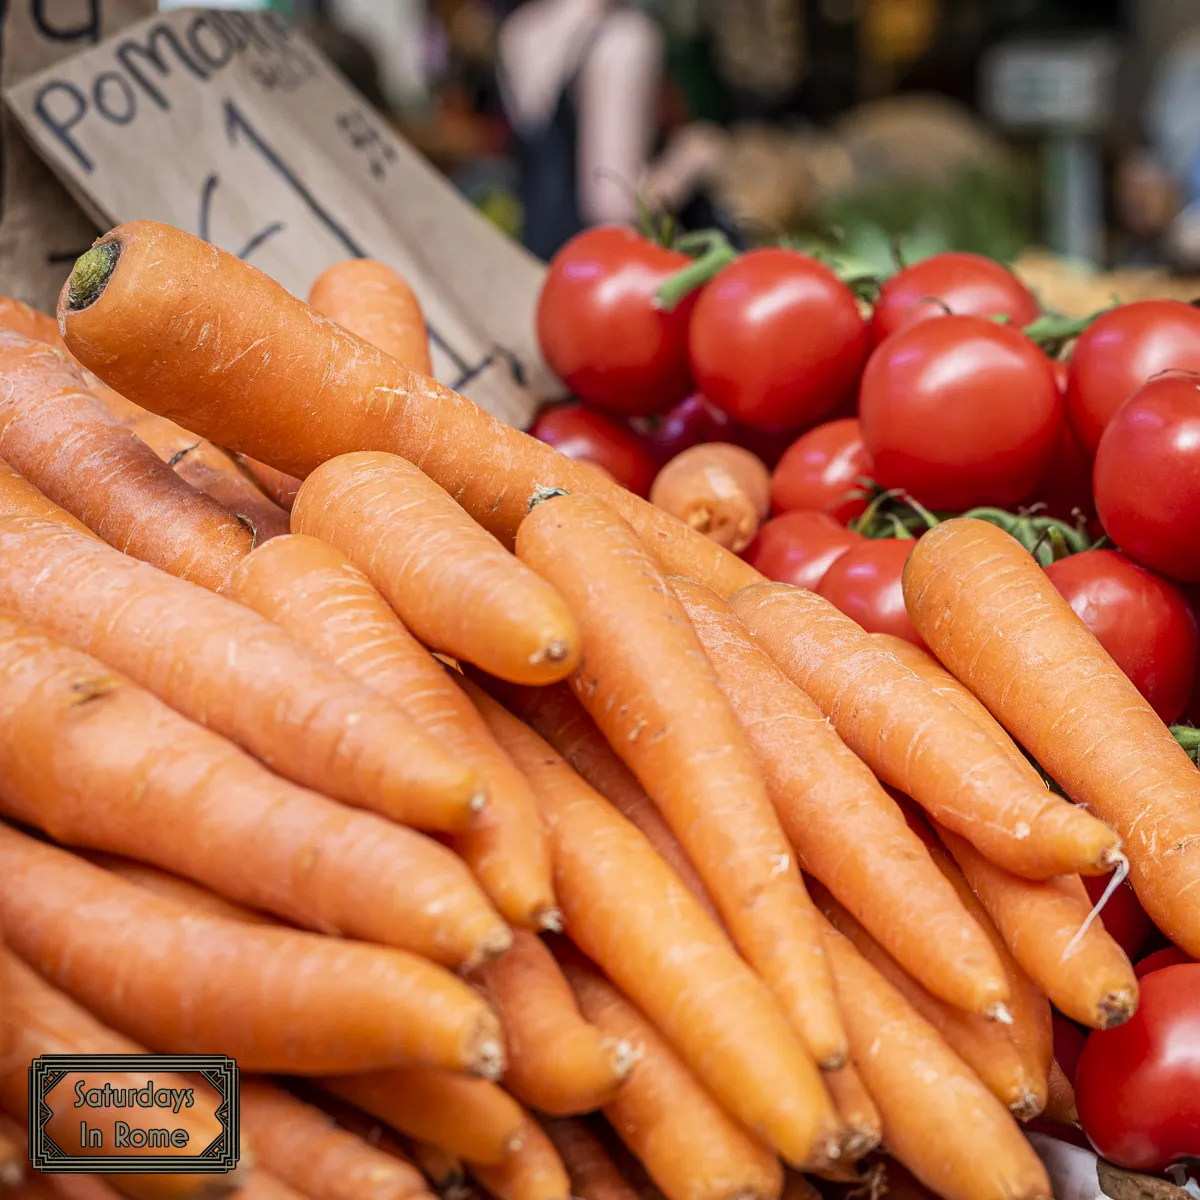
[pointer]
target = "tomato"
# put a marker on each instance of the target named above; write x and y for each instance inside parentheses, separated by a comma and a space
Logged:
(865, 584)
(1068, 1044)
(579, 432)
(1141, 619)
(960, 412)
(1138, 1086)
(820, 467)
(692, 421)
(1066, 487)
(1119, 352)
(799, 547)
(1169, 956)
(955, 282)
(777, 340)
(1124, 919)
(1147, 477)
(598, 326)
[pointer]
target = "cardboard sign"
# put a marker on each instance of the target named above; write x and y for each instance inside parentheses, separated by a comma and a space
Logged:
(233, 127)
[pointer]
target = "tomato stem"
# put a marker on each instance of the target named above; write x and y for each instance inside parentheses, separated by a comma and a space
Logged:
(711, 250)
(1047, 538)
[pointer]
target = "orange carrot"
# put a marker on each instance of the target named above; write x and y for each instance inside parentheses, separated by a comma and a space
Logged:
(471, 1118)
(450, 582)
(557, 1062)
(592, 1172)
(938, 1118)
(225, 667)
(990, 613)
(798, 1187)
(846, 831)
(140, 310)
(262, 1185)
(119, 771)
(12, 1153)
(314, 594)
(17, 316)
(720, 490)
(1060, 1107)
(689, 1145)
(376, 304)
(646, 682)
(628, 912)
(19, 498)
(278, 485)
(533, 1171)
(307, 1150)
(444, 1170)
(68, 445)
(861, 1129)
(275, 999)
(918, 742)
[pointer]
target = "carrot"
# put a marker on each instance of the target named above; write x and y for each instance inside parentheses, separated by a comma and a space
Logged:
(275, 999)
(651, 690)
(375, 303)
(533, 1171)
(314, 594)
(628, 912)
(560, 718)
(917, 741)
(719, 490)
(308, 1151)
(797, 1187)
(985, 1046)
(449, 581)
(689, 1145)
(119, 771)
(12, 1153)
(140, 310)
(18, 317)
(1037, 666)
(592, 1172)
(470, 1118)
(18, 497)
(227, 668)
(557, 1062)
(279, 486)
(846, 831)
(861, 1132)
(67, 444)
(262, 1185)
(444, 1170)
(1060, 1107)
(938, 1118)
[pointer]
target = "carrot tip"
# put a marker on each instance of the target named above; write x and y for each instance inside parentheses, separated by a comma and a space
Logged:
(835, 1061)
(492, 946)
(478, 802)
(91, 273)
(624, 1055)
(1116, 1008)
(826, 1151)
(857, 1143)
(489, 1060)
(1026, 1106)
(998, 1012)
(550, 920)
(556, 651)
(546, 493)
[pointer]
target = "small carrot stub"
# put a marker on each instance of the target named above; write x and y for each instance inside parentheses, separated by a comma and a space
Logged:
(845, 829)
(861, 1128)
(375, 303)
(646, 682)
(628, 912)
(449, 581)
(275, 999)
(720, 490)
(991, 614)
(139, 309)
(557, 1062)
(316, 595)
(592, 1172)
(533, 1171)
(918, 742)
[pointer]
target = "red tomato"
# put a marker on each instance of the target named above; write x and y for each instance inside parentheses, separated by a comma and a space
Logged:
(1141, 619)
(1119, 352)
(599, 329)
(578, 432)
(1169, 956)
(799, 547)
(1066, 487)
(692, 421)
(1138, 1086)
(966, 284)
(820, 467)
(1124, 919)
(1068, 1044)
(960, 412)
(1147, 477)
(865, 584)
(777, 340)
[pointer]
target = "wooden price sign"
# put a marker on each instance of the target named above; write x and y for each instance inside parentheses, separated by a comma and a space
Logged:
(234, 127)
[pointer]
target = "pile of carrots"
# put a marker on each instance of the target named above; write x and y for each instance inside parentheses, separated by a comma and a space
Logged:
(514, 837)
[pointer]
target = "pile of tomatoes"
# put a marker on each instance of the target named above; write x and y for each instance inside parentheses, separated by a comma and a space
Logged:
(948, 392)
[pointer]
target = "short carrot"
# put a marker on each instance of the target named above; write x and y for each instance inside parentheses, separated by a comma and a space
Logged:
(861, 1128)
(991, 614)
(67, 444)
(557, 1063)
(918, 742)
(275, 999)
(225, 667)
(140, 310)
(308, 1151)
(628, 912)
(847, 832)
(691, 1148)
(592, 1172)
(939, 1120)
(375, 303)
(648, 685)
(279, 486)
(471, 1118)
(533, 1171)
(316, 595)
(449, 581)
(19, 498)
